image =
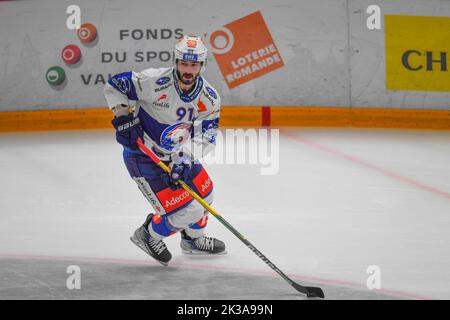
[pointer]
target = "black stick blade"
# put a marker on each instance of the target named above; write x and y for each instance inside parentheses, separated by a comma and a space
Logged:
(312, 292)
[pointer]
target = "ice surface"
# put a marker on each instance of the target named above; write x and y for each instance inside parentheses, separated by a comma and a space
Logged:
(343, 200)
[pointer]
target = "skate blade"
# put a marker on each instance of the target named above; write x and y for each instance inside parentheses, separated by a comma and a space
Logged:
(142, 247)
(202, 253)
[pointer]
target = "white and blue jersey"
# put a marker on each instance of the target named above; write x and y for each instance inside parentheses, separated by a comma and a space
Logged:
(168, 116)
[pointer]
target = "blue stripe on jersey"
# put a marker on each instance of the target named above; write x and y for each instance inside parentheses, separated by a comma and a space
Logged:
(123, 82)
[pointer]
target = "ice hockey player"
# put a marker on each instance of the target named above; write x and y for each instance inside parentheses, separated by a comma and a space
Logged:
(176, 112)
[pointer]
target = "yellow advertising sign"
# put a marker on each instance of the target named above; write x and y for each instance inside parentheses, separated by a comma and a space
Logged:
(417, 53)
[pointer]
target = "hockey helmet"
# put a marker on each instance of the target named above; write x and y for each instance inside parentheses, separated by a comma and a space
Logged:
(191, 48)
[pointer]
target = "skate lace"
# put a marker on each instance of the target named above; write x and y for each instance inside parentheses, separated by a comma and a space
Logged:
(157, 245)
(205, 243)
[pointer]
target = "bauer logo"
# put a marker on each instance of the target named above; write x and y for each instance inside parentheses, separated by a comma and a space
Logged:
(244, 50)
(417, 53)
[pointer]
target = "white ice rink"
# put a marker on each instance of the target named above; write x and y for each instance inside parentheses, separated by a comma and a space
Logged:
(343, 200)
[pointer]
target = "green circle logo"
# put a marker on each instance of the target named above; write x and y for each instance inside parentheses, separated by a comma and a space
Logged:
(55, 76)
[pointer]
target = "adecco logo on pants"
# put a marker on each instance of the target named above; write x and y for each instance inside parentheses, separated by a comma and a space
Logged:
(417, 53)
(244, 50)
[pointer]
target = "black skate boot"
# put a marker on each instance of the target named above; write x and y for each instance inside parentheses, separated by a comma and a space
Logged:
(153, 247)
(202, 246)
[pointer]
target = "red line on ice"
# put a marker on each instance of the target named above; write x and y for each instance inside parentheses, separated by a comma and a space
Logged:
(368, 165)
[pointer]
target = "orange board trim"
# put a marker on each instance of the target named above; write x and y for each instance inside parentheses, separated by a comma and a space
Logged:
(243, 116)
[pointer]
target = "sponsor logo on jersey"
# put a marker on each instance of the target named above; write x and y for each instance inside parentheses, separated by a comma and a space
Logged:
(162, 81)
(205, 186)
(148, 193)
(172, 202)
(175, 135)
(211, 92)
(203, 183)
(210, 96)
(163, 87)
(160, 103)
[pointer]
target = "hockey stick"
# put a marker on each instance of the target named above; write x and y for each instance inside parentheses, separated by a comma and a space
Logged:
(309, 291)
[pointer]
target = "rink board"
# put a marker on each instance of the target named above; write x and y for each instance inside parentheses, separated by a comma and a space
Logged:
(283, 53)
(100, 118)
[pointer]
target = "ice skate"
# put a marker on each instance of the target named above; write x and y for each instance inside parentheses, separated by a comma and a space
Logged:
(153, 247)
(201, 246)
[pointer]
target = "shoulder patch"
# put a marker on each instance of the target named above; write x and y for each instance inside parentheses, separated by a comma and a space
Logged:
(123, 83)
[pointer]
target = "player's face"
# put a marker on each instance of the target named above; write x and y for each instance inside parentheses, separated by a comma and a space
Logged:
(188, 71)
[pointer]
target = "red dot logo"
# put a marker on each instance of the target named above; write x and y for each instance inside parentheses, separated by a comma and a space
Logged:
(71, 54)
(87, 33)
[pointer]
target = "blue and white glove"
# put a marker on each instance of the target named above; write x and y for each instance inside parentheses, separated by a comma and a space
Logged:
(128, 130)
(181, 168)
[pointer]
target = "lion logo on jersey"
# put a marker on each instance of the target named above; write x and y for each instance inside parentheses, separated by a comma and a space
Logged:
(174, 136)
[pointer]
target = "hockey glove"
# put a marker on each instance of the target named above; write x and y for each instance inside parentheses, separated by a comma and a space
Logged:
(180, 170)
(128, 129)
